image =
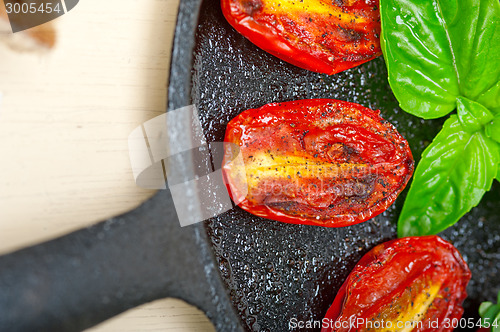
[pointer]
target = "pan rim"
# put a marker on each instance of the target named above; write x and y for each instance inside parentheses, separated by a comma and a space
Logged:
(178, 96)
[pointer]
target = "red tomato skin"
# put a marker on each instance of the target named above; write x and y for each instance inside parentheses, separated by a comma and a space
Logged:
(319, 42)
(433, 257)
(369, 150)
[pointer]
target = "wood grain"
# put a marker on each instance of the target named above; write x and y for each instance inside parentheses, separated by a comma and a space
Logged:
(65, 116)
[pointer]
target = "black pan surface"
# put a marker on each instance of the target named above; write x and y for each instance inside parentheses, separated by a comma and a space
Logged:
(276, 272)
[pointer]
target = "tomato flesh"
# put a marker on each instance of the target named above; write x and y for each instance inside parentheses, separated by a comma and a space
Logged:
(319, 162)
(321, 36)
(409, 284)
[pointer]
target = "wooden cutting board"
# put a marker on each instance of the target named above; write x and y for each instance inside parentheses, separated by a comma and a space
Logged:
(65, 117)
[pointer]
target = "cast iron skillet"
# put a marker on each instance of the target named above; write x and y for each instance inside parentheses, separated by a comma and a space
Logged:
(245, 272)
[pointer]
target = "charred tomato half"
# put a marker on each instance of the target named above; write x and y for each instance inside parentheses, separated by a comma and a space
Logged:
(410, 284)
(322, 36)
(320, 162)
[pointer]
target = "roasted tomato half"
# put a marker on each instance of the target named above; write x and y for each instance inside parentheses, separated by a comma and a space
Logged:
(320, 162)
(410, 284)
(318, 35)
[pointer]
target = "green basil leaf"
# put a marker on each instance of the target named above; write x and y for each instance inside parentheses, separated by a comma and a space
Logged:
(476, 45)
(472, 115)
(491, 313)
(483, 308)
(491, 99)
(455, 171)
(492, 129)
(437, 50)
